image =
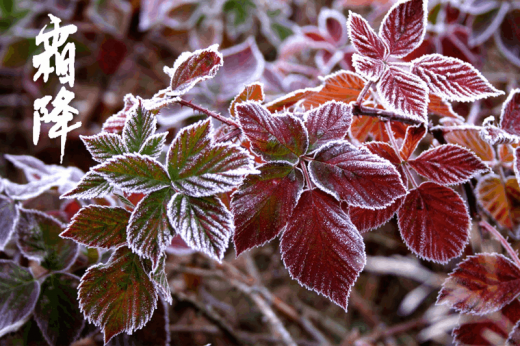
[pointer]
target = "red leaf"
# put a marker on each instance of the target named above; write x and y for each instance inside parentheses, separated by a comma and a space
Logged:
(263, 204)
(386, 151)
(514, 336)
(470, 138)
(481, 284)
(404, 93)
(321, 247)
(355, 175)
(488, 330)
(252, 92)
(274, 137)
(369, 68)
(333, 22)
(286, 101)
(342, 85)
(507, 37)
(414, 134)
(500, 200)
(434, 222)
(364, 39)
(368, 219)
(328, 123)
(448, 164)
(453, 79)
(440, 107)
(510, 117)
(404, 26)
(116, 122)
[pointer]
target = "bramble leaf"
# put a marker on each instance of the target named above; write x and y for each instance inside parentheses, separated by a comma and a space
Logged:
(404, 93)
(434, 222)
(263, 204)
(92, 185)
(470, 138)
(198, 167)
(273, 137)
(386, 151)
(57, 312)
(452, 79)
(161, 280)
(116, 122)
(370, 68)
(368, 219)
(414, 135)
(510, 116)
(154, 145)
(448, 164)
(364, 39)
(149, 232)
(99, 226)
(8, 218)
(19, 292)
(39, 240)
(289, 100)
(104, 146)
(441, 107)
(117, 296)
(500, 200)
(328, 122)
(481, 284)
(321, 248)
(252, 92)
(140, 125)
(333, 22)
(32, 189)
(204, 224)
(404, 26)
(192, 68)
(355, 175)
(33, 168)
(134, 173)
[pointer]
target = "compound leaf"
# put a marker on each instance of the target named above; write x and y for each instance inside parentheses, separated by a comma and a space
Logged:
(104, 146)
(364, 39)
(370, 68)
(153, 145)
(139, 126)
(328, 122)
(414, 135)
(92, 185)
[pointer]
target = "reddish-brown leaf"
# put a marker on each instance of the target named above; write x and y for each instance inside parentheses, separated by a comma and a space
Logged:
(440, 107)
(333, 22)
(368, 219)
(481, 284)
(448, 164)
(364, 39)
(343, 86)
(434, 222)
(263, 204)
(289, 100)
(321, 247)
(404, 26)
(369, 68)
(252, 92)
(386, 151)
(500, 200)
(510, 117)
(470, 138)
(328, 123)
(488, 330)
(414, 134)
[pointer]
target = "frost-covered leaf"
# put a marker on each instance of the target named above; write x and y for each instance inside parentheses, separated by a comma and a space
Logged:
(370, 68)
(368, 219)
(140, 125)
(8, 219)
(104, 146)
(39, 240)
(154, 145)
(252, 92)
(57, 312)
(485, 24)
(452, 79)
(333, 22)
(192, 68)
(414, 134)
(321, 247)
(198, 167)
(99, 226)
(364, 39)
(510, 116)
(92, 185)
(19, 292)
(355, 175)
(404, 93)
(33, 168)
(328, 122)
(204, 224)
(386, 151)
(273, 137)
(33, 188)
(488, 330)
(161, 280)
(343, 86)
(434, 222)
(149, 232)
(116, 122)
(289, 100)
(501, 201)
(470, 139)
(507, 37)
(404, 26)
(441, 107)
(134, 173)
(514, 336)
(448, 164)
(481, 284)
(263, 204)
(118, 296)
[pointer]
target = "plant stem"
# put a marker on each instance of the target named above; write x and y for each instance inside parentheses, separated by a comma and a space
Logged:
(208, 112)
(374, 112)
(502, 240)
(388, 127)
(306, 174)
(363, 93)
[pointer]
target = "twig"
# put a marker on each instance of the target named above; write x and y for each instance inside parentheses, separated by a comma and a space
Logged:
(374, 112)
(363, 92)
(502, 240)
(397, 329)
(388, 127)
(208, 112)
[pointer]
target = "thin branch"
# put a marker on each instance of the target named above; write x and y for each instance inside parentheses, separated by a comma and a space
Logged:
(310, 185)
(208, 112)
(502, 240)
(374, 112)
(363, 92)
(388, 127)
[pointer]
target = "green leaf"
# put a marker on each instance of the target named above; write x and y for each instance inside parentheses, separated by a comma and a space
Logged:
(118, 296)
(161, 280)
(18, 294)
(154, 145)
(200, 168)
(149, 231)
(138, 128)
(57, 312)
(204, 224)
(39, 239)
(8, 218)
(134, 173)
(104, 146)
(99, 226)
(92, 185)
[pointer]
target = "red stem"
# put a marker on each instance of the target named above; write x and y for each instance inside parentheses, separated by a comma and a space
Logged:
(502, 240)
(208, 112)
(388, 127)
